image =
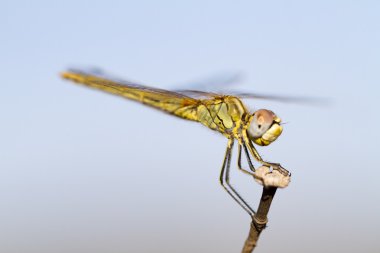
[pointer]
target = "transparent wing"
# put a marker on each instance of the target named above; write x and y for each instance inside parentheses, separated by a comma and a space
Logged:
(197, 94)
(318, 101)
(169, 101)
(214, 82)
(308, 100)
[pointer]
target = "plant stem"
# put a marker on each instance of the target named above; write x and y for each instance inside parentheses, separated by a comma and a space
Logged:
(259, 219)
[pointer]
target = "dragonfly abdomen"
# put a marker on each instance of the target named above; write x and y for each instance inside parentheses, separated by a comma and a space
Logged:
(167, 101)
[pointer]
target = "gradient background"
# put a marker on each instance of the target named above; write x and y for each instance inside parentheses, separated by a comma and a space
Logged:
(82, 171)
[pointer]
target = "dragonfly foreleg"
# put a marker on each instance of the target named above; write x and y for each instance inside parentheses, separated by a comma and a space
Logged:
(225, 180)
(276, 166)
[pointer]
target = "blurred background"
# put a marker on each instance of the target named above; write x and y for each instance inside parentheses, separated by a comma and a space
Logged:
(84, 171)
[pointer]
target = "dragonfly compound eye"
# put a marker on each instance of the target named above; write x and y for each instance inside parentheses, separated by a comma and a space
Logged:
(264, 127)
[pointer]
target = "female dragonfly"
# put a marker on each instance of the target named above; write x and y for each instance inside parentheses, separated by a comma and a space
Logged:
(223, 113)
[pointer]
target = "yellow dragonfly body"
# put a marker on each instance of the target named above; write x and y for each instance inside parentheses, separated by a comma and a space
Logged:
(223, 113)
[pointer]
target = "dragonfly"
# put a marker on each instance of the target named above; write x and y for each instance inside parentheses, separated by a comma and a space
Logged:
(224, 113)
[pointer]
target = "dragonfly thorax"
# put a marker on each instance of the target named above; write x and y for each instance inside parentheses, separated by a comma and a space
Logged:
(264, 127)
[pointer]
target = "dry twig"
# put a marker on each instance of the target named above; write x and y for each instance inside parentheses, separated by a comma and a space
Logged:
(271, 180)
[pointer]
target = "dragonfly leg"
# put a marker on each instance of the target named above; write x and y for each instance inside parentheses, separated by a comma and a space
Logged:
(251, 167)
(225, 180)
(278, 167)
(256, 155)
(249, 162)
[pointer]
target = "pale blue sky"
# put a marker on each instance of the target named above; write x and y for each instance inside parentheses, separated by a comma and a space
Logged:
(83, 171)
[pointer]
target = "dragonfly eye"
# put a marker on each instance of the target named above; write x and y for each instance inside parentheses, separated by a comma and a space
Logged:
(262, 120)
(264, 127)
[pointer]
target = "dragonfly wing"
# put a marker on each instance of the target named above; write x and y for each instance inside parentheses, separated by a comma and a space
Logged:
(171, 102)
(197, 94)
(306, 100)
(212, 83)
(283, 98)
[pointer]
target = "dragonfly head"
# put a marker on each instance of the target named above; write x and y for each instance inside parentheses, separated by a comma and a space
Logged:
(264, 127)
